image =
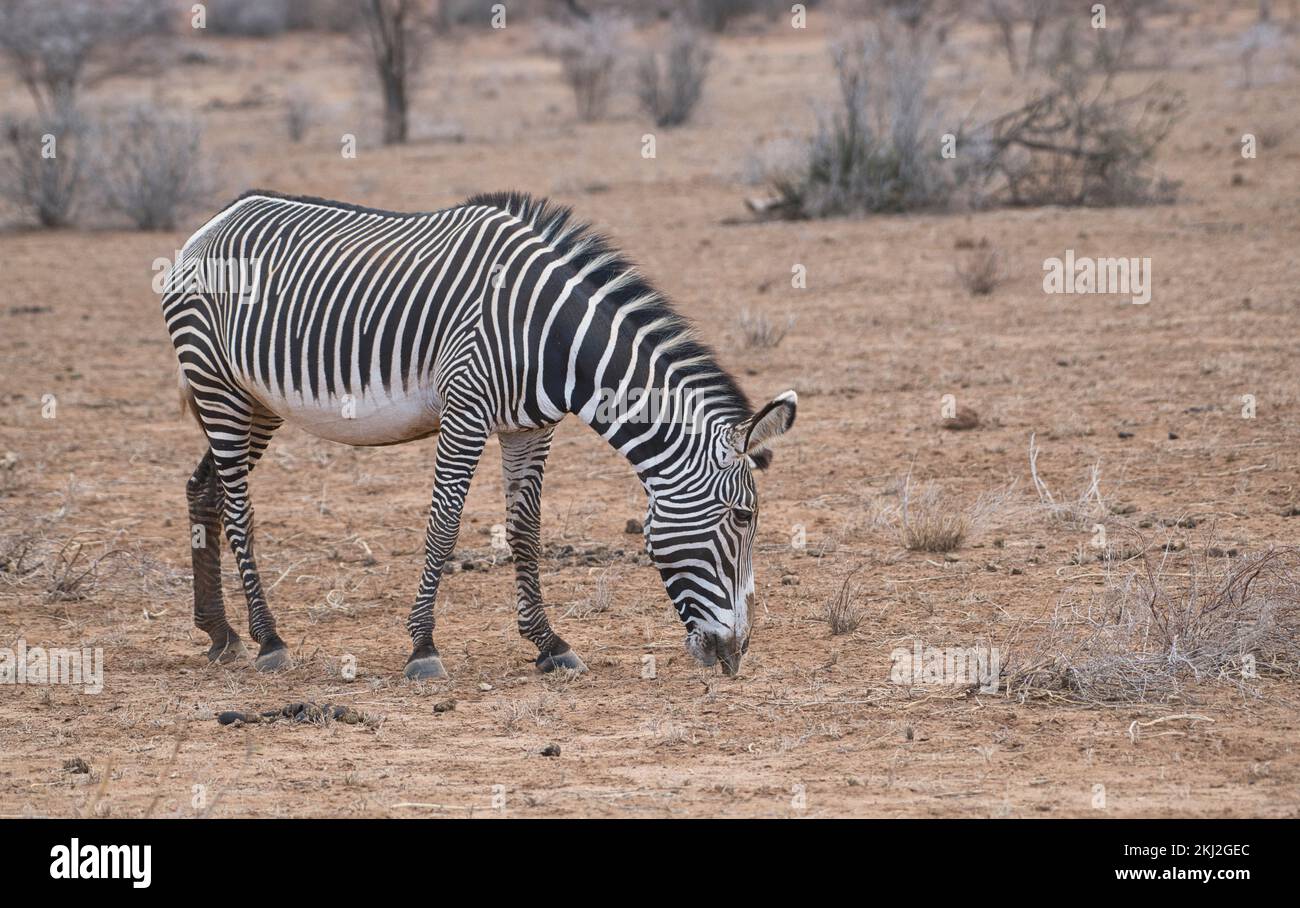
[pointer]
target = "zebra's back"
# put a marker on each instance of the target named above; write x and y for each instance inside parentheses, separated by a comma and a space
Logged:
(344, 320)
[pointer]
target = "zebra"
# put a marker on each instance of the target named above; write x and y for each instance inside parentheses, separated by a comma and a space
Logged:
(500, 315)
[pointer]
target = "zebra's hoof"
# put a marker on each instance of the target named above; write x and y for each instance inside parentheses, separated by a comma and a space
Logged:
(549, 662)
(426, 668)
(272, 660)
(229, 650)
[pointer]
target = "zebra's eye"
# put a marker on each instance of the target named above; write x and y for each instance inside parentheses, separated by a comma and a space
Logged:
(742, 516)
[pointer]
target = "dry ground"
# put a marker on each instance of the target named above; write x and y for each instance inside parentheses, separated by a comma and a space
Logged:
(883, 331)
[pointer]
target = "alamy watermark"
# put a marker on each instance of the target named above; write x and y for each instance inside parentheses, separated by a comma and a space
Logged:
(39, 666)
(1131, 276)
(951, 665)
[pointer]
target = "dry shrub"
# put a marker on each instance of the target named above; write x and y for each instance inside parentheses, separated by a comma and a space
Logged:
(298, 114)
(930, 521)
(979, 271)
(43, 166)
(1075, 140)
(153, 170)
(715, 15)
(589, 51)
(878, 148)
(758, 332)
(1042, 34)
(1081, 512)
(844, 612)
(1080, 142)
(58, 47)
(1159, 625)
(249, 18)
(671, 80)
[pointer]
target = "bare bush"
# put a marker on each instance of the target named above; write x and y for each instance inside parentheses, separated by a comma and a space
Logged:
(670, 81)
(758, 332)
(844, 612)
(58, 47)
(298, 112)
(397, 35)
(1057, 33)
(979, 270)
(323, 15)
(878, 149)
(1081, 512)
(1078, 143)
(715, 15)
(1075, 141)
(1159, 625)
(249, 18)
(43, 164)
(152, 169)
(589, 51)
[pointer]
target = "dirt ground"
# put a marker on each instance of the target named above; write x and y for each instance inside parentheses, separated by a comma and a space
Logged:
(812, 726)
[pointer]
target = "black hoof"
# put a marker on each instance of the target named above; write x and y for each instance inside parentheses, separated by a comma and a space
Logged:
(424, 665)
(427, 669)
(549, 662)
(272, 657)
(229, 650)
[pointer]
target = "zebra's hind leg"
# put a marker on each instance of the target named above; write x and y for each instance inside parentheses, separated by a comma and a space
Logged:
(523, 460)
(236, 448)
(204, 493)
(460, 444)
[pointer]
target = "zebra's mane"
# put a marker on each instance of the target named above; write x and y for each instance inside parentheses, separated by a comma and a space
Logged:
(629, 290)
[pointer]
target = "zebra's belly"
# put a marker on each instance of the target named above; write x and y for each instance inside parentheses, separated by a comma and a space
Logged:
(363, 419)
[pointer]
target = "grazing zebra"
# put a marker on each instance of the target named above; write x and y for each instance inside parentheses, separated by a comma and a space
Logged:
(499, 315)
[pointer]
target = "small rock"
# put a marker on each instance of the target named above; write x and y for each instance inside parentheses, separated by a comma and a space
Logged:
(1173, 436)
(1291, 511)
(551, 750)
(484, 686)
(445, 706)
(1125, 434)
(1016, 572)
(633, 527)
(790, 580)
(965, 418)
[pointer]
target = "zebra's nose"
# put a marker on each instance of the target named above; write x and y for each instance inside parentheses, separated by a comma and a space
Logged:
(729, 650)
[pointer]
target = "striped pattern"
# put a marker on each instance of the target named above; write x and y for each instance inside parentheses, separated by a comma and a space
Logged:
(498, 316)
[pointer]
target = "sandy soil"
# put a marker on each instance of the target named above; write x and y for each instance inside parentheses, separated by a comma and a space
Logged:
(812, 726)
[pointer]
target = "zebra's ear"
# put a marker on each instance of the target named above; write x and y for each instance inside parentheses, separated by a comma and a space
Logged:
(754, 434)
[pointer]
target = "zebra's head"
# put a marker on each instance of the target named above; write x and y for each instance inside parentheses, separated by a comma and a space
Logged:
(700, 535)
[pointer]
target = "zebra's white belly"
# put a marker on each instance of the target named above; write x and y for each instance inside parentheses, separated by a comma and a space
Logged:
(364, 419)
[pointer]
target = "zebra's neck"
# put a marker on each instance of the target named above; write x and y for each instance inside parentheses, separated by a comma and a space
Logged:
(668, 416)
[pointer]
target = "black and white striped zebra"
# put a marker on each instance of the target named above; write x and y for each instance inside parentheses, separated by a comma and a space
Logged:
(498, 316)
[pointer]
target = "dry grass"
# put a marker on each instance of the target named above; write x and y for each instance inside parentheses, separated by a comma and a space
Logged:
(932, 521)
(844, 612)
(1163, 623)
(758, 332)
(601, 599)
(980, 271)
(1084, 510)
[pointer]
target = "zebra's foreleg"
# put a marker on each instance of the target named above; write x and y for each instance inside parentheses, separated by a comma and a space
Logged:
(204, 494)
(460, 444)
(523, 461)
